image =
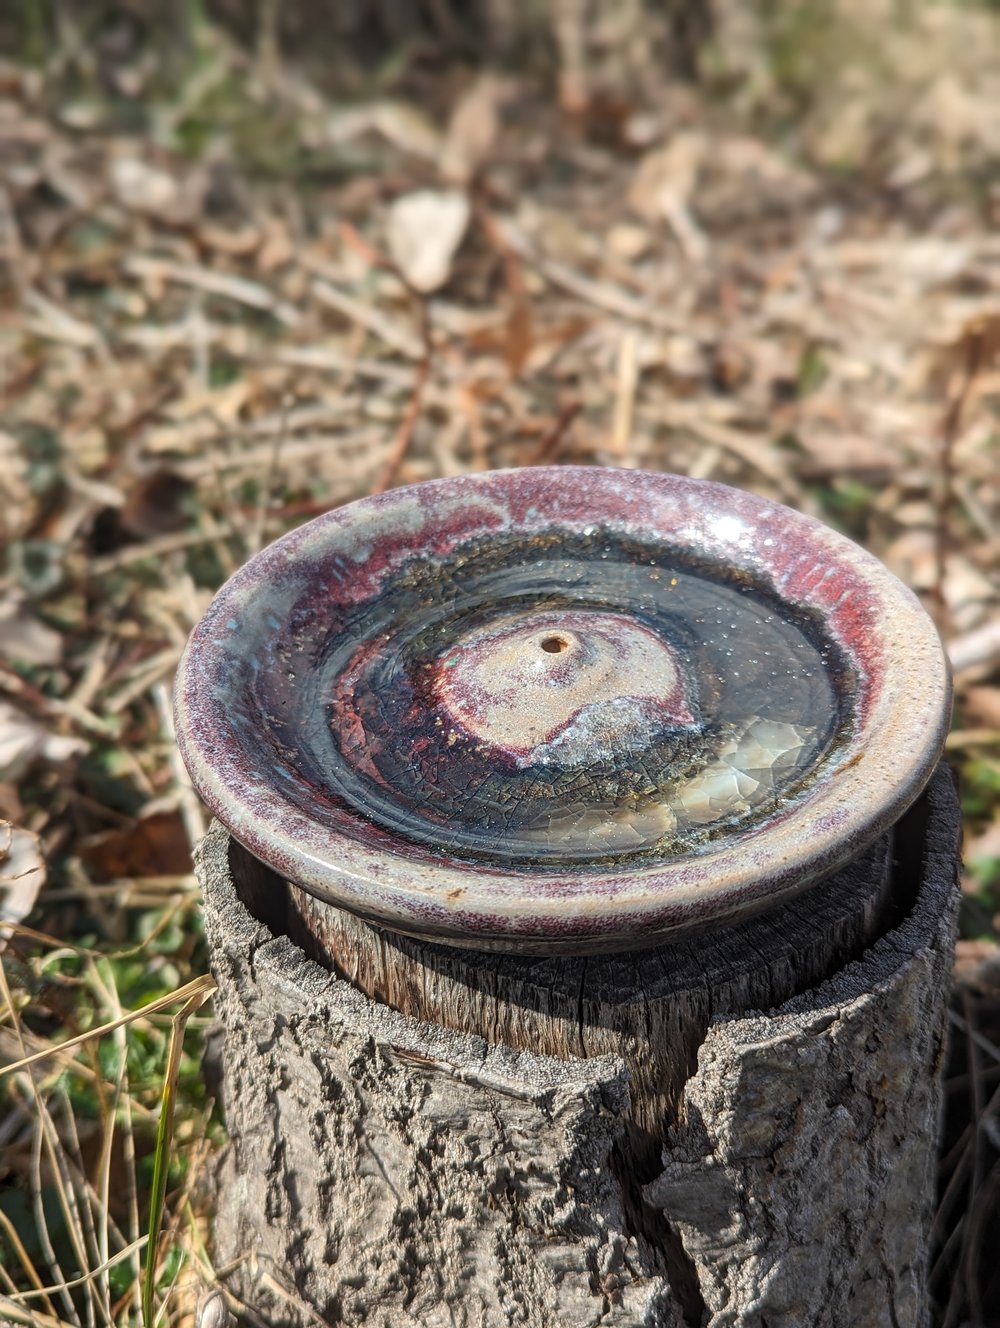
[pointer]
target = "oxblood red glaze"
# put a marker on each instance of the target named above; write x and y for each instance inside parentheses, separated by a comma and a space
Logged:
(900, 710)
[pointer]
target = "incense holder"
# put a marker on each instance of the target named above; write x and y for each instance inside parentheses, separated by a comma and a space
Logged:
(561, 709)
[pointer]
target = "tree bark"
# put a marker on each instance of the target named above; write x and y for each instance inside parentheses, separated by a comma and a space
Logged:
(425, 1136)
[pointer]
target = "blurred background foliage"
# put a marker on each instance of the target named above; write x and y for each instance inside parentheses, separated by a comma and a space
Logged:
(261, 258)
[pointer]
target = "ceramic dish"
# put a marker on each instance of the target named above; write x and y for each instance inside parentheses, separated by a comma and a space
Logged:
(560, 709)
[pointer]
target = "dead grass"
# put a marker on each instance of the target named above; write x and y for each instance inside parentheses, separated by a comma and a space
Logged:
(208, 336)
(87, 1116)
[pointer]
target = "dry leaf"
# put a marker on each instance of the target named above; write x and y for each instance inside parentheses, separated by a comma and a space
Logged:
(156, 845)
(143, 188)
(985, 846)
(978, 649)
(664, 183)
(833, 450)
(628, 242)
(17, 502)
(668, 173)
(473, 130)
(977, 966)
(235, 242)
(277, 248)
(981, 705)
(11, 806)
(22, 741)
(155, 504)
(404, 126)
(22, 875)
(520, 338)
(952, 111)
(967, 592)
(24, 638)
(213, 1312)
(743, 178)
(913, 557)
(975, 349)
(424, 231)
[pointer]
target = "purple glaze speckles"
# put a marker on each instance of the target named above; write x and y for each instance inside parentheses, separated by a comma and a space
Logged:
(253, 715)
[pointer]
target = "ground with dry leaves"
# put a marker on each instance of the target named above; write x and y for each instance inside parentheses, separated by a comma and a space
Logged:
(236, 297)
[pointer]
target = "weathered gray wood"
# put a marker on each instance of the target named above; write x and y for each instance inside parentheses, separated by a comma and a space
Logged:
(396, 1171)
(651, 1008)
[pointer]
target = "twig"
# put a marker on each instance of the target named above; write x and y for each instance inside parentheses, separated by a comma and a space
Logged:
(17, 1245)
(238, 289)
(190, 806)
(355, 311)
(404, 433)
(14, 685)
(976, 342)
(262, 457)
(326, 359)
(959, 739)
(164, 1133)
(137, 553)
(976, 649)
(355, 241)
(200, 988)
(981, 1215)
(601, 294)
(126, 1253)
(549, 445)
(749, 448)
(58, 325)
(257, 530)
(628, 381)
(141, 679)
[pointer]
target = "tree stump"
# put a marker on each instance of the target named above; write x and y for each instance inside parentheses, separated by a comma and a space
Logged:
(555, 1025)
(738, 1127)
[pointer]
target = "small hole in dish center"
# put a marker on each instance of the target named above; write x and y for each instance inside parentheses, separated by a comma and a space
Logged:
(554, 645)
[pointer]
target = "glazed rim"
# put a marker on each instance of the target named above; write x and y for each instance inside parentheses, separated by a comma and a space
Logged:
(880, 765)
